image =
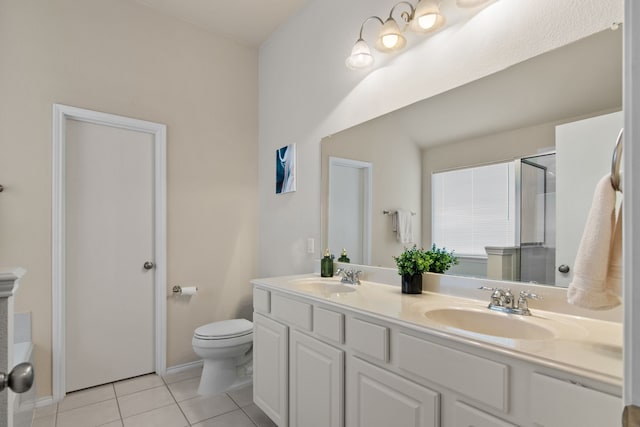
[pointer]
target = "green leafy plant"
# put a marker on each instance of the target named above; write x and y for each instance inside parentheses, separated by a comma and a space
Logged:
(417, 261)
(413, 261)
(440, 260)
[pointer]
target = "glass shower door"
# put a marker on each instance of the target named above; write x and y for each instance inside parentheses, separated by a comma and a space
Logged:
(538, 219)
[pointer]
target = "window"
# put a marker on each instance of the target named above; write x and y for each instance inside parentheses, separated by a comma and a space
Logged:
(473, 208)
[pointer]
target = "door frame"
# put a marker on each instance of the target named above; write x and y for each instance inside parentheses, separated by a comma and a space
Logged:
(58, 280)
(631, 205)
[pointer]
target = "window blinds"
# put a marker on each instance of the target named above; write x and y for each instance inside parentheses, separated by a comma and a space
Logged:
(473, 208)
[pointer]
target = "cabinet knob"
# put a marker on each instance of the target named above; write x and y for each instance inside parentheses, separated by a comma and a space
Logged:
(564, 268)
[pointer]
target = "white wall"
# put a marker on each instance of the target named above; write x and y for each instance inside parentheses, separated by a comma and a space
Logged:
(307, 93)
(120, 57)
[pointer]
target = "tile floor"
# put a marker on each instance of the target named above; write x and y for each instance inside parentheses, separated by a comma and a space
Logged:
(154, 401)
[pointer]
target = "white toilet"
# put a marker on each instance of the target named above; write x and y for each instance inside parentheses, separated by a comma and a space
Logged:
(226, 349)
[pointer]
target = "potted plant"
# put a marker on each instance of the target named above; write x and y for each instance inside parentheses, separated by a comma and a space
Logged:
(411, 264)
(440, 259)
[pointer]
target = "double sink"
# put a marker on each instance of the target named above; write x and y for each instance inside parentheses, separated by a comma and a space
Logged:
(463, 317)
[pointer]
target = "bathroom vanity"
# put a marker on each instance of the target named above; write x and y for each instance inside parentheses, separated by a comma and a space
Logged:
(330, 354)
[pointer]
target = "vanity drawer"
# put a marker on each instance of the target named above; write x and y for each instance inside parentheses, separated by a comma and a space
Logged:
(480, 379)
(467, 416)
(561, 403)
(369, 339)
(261, 300)
(329, 324)
(296, 313)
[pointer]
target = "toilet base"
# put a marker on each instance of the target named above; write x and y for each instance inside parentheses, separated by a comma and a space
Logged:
(219, 376)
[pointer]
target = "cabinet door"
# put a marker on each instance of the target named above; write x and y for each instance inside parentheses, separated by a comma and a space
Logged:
(270, 368)
(317, 383)
(378, 398)
(557, 403)
(466, 416)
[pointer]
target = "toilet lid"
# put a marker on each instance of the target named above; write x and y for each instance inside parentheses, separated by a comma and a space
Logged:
(225, 329)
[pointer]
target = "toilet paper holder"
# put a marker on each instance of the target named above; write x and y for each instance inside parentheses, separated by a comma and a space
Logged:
(177, 289)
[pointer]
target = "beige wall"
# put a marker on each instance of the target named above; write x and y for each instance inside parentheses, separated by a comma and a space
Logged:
(396, 181)
(120, 57)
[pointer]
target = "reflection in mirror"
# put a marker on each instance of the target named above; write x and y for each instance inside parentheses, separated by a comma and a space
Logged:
(545, 105)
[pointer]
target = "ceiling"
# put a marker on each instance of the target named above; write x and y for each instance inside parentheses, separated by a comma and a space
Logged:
(249, 22)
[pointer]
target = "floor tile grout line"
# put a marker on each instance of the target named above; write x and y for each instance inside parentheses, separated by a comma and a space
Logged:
(117, 403)
(58, 411)
(178, 404)
(146, 412)
(248, 416)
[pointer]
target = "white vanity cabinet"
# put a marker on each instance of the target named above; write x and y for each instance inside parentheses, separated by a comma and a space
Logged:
(316, 382)
(298, 380)
(320, 363)
(271, 368)
(562, 403)
(379, 398)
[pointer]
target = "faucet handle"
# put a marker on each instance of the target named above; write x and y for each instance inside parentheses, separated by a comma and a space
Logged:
(486, 288)
(497, 296)
(529, 295)
(356, 276)
(523, 304)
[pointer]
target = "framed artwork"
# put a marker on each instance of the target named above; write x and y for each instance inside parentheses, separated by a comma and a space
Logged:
(286, 169)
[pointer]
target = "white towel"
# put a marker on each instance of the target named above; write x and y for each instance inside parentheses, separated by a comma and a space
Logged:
(404, 226)
(598, 267)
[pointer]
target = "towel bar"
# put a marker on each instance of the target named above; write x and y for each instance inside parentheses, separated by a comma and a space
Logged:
(392, 212)
(615, 163)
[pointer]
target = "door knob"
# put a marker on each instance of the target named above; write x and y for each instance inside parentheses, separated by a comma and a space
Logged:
(563, 268)
(148, 265)
(20, 379)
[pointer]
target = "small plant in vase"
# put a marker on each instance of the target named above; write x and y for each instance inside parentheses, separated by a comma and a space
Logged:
(440, 259)
(411, 264)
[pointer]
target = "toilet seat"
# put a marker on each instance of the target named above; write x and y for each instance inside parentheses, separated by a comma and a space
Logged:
(224, 329)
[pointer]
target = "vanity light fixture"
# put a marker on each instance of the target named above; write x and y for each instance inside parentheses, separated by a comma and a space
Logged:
(390, 37)
(425, 17)
(361, 54)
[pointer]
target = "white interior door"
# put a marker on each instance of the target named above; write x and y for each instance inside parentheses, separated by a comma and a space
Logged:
(583, 156)
(109, 234)
(349, 224)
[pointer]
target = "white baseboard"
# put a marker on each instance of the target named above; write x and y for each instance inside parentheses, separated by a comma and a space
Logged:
(48, 400)
(44, 401)
(185, 366)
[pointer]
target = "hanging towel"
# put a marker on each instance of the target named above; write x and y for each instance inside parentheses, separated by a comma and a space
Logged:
(614, 272)
(404, 226)
(596, 281)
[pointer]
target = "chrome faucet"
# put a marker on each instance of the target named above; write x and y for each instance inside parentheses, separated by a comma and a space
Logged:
(349, 276)
(504, 301)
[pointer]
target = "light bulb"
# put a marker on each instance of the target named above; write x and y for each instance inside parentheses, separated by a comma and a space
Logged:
(427, 21)
(390, 37)
(390, 40)
(427, 17)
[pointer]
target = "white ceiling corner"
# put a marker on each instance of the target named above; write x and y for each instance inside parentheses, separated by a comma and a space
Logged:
(250, 22)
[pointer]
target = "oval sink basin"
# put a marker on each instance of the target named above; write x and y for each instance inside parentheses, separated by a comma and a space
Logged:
(324, 288)
(490, 323)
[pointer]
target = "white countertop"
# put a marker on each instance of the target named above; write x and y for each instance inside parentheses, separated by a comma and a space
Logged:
(587, 347)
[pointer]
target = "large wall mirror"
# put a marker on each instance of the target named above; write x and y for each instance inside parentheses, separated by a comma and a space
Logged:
(440, 152)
